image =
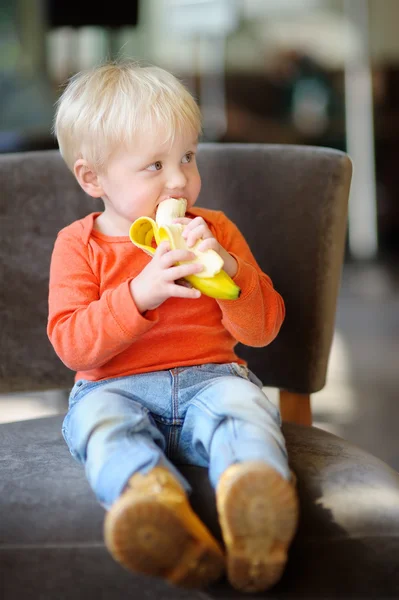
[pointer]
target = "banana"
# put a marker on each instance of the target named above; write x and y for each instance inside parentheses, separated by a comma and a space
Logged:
(172, 208)
(212, 281)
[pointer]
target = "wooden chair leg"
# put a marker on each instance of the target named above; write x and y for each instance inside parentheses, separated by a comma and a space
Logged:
(295, 408)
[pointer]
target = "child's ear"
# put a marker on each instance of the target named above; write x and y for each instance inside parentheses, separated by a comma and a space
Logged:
(88, 178)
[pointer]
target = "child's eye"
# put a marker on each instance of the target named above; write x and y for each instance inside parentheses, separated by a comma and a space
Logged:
(156, 166)
(188, 157)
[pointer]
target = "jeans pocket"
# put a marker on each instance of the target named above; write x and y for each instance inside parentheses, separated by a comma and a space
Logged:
(82, 387)
(76, 391)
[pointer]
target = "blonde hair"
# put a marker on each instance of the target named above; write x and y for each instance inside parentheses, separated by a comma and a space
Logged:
(110, 105)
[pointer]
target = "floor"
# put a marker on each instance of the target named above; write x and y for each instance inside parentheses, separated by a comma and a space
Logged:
(360, 401)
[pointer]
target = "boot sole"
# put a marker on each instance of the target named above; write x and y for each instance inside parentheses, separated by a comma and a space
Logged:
(258, 514)
(149, 537)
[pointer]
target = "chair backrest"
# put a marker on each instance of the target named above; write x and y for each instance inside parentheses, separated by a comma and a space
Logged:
(289, 201)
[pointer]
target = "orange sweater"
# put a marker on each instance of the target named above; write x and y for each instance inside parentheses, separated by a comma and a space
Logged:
(97, 331)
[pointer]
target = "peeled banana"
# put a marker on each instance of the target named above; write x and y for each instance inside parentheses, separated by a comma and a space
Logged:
(212, 280)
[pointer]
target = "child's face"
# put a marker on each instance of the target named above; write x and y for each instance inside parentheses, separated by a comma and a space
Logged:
(136, 181)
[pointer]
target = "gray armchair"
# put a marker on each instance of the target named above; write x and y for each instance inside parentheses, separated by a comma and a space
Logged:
(291, 204)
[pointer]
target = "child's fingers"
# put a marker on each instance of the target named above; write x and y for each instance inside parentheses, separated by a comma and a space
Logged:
(183, 220)
(209, 244)
(199, 233)
(194, 224)
(162, 249)
(180, 291)
(171, 257)
(183, 282)
(189, 224)
(180, 271)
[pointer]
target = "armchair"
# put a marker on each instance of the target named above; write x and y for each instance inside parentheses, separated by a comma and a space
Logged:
(291, 204)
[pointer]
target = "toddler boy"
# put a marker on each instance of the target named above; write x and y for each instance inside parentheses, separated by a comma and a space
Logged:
(158, 382)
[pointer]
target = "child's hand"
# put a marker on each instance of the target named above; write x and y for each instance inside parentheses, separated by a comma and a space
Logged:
(197, 229)
(157, 281)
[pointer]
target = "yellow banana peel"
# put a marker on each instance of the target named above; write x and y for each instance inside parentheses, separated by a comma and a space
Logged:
(212, 281)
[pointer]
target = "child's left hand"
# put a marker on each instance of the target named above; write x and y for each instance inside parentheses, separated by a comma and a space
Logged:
(197, 229)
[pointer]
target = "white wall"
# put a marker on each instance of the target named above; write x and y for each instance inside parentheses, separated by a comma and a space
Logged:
(252, 45)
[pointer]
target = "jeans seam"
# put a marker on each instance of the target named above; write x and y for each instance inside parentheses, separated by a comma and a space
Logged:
(171, 432)
(232, 423)
(174, 436)
(200, 404)
(175, 397)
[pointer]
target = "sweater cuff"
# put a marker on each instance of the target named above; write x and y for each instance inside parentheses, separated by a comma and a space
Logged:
(124, 310)
(246, 278)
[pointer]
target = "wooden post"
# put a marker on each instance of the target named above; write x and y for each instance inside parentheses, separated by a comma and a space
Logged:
(295, 408)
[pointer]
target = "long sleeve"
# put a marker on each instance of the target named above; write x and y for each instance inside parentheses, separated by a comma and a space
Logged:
(86, 326)
(256, 317)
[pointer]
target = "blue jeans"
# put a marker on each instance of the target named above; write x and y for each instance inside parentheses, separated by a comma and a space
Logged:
(211, 415)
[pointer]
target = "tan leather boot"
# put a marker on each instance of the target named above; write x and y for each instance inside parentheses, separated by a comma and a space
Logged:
(152, 529)
(258, 515)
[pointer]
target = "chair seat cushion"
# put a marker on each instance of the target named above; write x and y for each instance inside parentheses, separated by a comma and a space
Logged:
(51, 524)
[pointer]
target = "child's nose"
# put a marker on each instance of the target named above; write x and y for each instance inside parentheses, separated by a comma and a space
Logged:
(176, 179)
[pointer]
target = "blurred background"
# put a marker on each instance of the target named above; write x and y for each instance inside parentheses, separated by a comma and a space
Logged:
(314, 72)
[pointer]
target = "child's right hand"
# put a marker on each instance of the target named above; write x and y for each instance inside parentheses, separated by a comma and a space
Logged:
(157, 281)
